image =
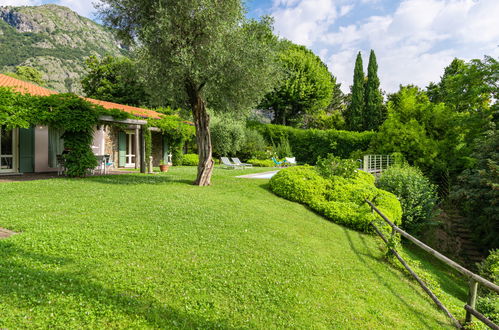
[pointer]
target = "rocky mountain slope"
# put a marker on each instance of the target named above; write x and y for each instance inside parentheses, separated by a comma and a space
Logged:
(55, 40)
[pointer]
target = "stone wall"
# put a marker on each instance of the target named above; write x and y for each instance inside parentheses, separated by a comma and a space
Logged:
(111, 144)
(157, 148)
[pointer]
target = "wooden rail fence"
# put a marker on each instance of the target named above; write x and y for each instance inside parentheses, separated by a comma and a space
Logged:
(474, 279)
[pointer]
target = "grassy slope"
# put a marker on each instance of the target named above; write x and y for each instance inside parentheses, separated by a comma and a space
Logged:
(155, 251)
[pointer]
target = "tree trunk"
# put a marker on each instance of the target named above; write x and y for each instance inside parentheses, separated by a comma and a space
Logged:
(203, 138)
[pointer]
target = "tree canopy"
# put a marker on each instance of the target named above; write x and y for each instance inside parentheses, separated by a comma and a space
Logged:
(306, 88)
(114, 80)
(354, 111)
(199, 53)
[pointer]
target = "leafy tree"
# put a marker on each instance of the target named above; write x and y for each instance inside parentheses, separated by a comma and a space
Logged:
(373, 115)
(199, 53)
(27, 73)
(115, 80)
(477, 191)
(227, 136)
(306, 89)
(353, 114)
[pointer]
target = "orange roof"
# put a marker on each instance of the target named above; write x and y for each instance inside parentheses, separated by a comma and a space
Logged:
(140, 112)
(30, 88)
(24, 87)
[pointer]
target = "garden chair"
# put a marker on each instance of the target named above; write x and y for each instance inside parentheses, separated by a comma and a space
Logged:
(277, 163)
(61, 164)
(238, 162)
(227, 164)
(290, 161)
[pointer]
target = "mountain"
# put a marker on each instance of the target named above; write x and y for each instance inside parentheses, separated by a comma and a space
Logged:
(55, 40)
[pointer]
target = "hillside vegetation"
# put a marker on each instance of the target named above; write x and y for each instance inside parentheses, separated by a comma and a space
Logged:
(55, 40)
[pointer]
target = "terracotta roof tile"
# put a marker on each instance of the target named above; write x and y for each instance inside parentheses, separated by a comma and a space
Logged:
(24, 87)
(30, 88)
(140, 112)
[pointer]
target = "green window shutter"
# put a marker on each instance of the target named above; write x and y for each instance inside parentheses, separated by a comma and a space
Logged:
(27, 150)
(165, 149)
(122, 149)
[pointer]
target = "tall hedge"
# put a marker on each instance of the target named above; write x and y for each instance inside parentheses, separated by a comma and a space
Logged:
(309, 144)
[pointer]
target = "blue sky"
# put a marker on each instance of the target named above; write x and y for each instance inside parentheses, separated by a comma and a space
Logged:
(413, 39)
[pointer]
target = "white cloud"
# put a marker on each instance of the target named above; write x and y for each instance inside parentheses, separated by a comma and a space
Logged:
(415, 42)
(303, 21)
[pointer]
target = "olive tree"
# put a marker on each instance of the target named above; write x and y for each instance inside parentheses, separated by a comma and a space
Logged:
(199, 53)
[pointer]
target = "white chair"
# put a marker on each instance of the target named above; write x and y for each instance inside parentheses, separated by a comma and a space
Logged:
(238, 162)
(290, 161)
(227, 164)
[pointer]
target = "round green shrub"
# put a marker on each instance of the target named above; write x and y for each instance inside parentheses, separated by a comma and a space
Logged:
(416, 193)
(339, 199)
(299, 184)
(190, 160)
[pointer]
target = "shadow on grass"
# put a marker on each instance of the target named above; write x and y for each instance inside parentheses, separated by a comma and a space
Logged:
(31, 286)
(136, 179)
(363, 258)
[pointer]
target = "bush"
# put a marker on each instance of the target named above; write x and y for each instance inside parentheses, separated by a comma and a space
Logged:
(254, 145)
(227, 136)
(190, 160)
(310, 144)
(488, 301)
(261, 162)
(339, 199)
(334, 166)
(282, 149)
(416, 193)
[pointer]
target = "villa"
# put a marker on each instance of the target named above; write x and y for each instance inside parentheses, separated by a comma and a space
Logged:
(35, 150)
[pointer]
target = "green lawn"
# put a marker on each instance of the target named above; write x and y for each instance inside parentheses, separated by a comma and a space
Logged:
(154, 251)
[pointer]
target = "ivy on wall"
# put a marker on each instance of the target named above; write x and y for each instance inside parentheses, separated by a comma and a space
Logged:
(177, 132)
(68, 112)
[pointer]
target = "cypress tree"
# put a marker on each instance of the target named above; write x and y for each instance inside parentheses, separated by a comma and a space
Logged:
(353, 115)
(373, 114)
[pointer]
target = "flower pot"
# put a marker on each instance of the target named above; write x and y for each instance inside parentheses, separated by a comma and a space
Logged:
(164, 168)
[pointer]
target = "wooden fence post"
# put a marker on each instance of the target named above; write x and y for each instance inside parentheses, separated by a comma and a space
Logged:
(471, 298)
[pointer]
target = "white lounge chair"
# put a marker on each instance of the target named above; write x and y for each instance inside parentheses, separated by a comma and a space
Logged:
(290, 161)
(227, 164)
(238, 162)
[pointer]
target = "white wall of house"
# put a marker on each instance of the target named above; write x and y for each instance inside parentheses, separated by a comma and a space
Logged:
(42, 150)
(98, 144)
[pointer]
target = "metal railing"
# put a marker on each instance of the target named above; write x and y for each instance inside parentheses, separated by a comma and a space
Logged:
(474, 279)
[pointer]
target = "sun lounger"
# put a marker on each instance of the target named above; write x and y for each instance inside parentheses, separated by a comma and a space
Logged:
(238, 162)
(227, 164)
(290, 161)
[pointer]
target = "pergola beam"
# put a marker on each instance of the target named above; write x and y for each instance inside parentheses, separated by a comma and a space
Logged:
(123, 121)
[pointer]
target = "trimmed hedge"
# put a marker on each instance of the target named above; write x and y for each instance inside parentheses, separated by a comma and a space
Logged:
(261, 162)
(190, 160)
(339, 199)
(309, 144)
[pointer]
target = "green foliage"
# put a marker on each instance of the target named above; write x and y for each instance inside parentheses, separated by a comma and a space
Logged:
(227, 136)
(325, 120)
(488, 301)
(416, 193)
(261, 162)
(177, 132)
(339, 199)
(354, 111)
(254, 145)
(27, 73)
(115, 80)
(331, 166)
(282, 149)
(190, 160)
(310, 144)
(477, 193)
(306, 88)
(373, 114)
